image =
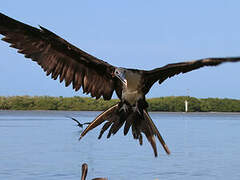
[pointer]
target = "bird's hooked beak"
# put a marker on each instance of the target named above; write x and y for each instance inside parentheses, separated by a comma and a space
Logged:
(121, 75)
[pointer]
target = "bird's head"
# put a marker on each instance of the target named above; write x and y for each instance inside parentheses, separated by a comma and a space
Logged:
(84, 171)
(120, 73)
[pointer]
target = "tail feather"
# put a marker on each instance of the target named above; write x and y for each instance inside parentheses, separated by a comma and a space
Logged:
(129, 122)
(116, 126)
(152, 141)
(149, 133)
(139, 123)
(156, 132)
(137, 133)
(104, 128)
(116, 121)
(140, 140)
(99, 119)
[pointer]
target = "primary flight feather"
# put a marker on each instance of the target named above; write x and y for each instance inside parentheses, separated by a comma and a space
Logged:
(62, 60)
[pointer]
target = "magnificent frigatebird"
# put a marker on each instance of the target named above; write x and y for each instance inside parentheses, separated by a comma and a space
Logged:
(61, 59)
(78, 123)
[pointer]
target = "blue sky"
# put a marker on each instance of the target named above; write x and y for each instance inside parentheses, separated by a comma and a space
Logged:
(135, 34)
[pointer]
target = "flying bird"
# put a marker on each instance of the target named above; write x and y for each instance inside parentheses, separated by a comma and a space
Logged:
(78, 123)
(62, 60)
(84, 173)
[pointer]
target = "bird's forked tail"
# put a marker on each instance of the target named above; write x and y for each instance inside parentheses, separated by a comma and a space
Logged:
(116, 116)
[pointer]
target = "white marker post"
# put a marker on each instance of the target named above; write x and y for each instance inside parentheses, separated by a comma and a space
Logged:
(186, 106)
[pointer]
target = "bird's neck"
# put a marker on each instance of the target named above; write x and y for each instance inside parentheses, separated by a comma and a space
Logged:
(133, 81)
(131, 92)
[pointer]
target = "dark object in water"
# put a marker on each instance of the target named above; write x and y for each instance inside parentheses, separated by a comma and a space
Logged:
(84, 173)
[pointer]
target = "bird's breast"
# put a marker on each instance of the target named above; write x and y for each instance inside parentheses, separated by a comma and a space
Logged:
(132, 92)
(131, 96)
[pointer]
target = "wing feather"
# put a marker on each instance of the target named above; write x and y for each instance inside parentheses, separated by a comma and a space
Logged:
(162, 73)
(59, 58)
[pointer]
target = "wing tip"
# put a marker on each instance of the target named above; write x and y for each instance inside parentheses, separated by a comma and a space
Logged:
(167, 149)
(80, 137)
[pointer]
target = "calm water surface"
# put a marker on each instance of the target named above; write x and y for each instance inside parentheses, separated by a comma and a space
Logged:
(43, 145)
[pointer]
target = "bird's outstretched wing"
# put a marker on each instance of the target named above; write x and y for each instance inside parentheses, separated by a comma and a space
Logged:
(78, 123)
(59, 58)
(162, 73)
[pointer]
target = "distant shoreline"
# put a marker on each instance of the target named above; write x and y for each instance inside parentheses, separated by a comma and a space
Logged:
(157, 112)
(161, 104)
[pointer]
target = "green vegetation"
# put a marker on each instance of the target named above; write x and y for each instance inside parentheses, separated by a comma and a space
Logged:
(168, 104)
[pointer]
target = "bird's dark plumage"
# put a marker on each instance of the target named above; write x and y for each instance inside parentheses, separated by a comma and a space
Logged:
(62, 60)
(162, 73)
(59, 58)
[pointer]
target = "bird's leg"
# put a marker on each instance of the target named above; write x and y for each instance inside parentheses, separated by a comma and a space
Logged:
(124, 108)
(135, 109)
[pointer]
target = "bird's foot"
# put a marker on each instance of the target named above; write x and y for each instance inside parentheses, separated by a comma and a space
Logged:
(124, 108)
(135, 109)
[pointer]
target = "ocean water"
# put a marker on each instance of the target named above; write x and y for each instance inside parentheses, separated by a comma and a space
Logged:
(37, 145)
